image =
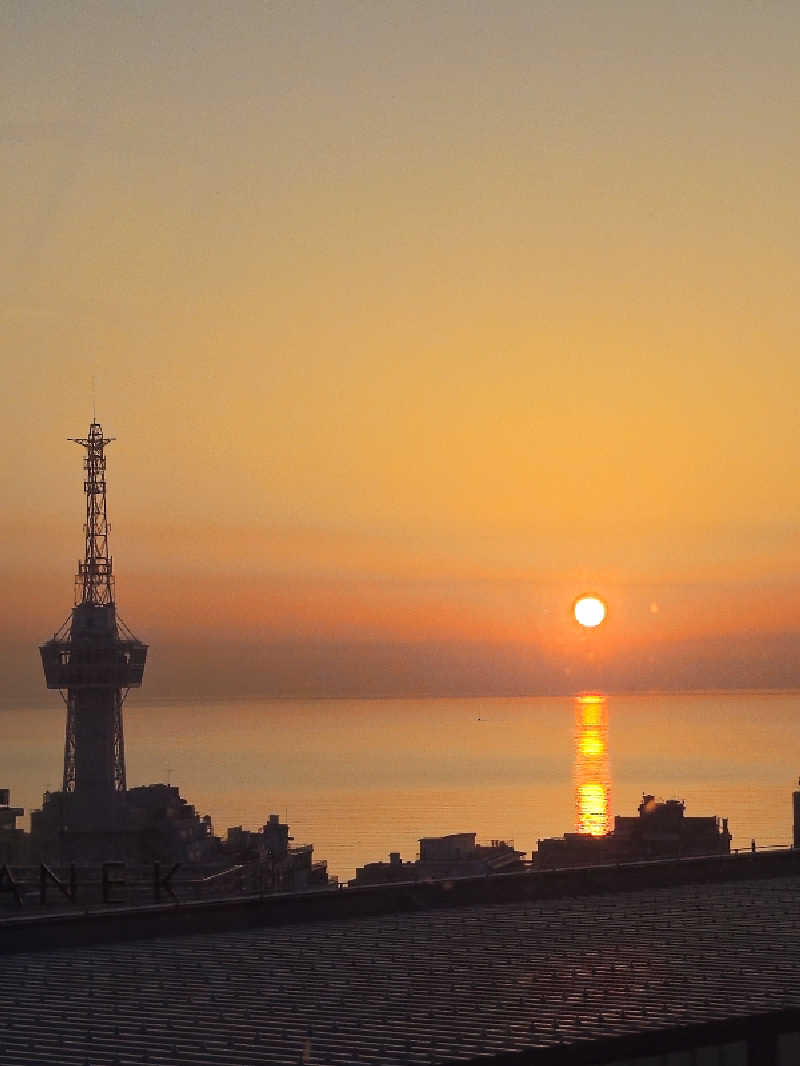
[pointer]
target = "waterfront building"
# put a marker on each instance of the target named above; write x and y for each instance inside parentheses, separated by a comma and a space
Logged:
(453, 855)
(270, 852)
(661, 830)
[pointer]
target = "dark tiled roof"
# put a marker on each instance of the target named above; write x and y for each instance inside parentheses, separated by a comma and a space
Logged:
(434, 986)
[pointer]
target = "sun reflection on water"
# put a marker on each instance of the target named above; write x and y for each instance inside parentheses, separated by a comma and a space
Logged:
(592, 775)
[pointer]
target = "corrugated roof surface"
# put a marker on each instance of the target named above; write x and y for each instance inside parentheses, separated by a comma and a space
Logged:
(435, 986)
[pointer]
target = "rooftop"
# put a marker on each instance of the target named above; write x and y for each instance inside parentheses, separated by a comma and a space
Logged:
(523, 979)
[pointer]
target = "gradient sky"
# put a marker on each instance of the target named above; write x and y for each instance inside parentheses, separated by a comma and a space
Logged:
(413, 321)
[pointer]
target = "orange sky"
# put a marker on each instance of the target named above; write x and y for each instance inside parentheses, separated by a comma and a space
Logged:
(413, 322)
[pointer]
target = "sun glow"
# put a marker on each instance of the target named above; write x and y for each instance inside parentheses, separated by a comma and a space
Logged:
(589, 611)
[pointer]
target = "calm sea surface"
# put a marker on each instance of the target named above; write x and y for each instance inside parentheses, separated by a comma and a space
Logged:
(361, 778)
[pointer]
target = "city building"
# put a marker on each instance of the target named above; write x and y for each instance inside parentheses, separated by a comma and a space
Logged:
(271, 852)
(661, 830)
(454, 855)
(12, 839)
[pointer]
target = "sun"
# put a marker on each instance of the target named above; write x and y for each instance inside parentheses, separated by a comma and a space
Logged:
(589, 611)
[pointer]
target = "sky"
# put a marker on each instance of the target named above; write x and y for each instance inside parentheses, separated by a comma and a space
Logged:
(412, 321)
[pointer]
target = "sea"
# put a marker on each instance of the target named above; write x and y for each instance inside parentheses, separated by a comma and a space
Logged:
(362, 778)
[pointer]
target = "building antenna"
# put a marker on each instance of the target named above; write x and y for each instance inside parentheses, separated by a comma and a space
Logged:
(94, 401)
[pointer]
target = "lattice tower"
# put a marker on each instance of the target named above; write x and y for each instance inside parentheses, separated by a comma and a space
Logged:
(94, 659)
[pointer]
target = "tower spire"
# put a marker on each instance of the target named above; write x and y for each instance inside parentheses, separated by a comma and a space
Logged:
(94, 583)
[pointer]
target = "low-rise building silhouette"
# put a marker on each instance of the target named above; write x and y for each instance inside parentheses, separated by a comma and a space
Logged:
(453, 855)
(660, 831)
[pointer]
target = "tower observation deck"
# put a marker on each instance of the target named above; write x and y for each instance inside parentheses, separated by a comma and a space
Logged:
(94, 660)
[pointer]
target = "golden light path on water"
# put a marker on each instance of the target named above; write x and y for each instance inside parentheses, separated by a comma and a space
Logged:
(592, 774)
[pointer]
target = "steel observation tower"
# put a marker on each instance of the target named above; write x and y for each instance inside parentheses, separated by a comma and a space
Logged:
(94, 660)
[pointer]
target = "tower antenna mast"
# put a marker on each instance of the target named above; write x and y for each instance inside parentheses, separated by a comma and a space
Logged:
(94, 582)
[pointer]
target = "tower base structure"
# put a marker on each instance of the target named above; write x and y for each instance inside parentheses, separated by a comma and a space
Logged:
(141, 825)
(156, 825)
(96, 660)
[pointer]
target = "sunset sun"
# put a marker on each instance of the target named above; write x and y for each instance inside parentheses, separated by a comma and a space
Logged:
(589, 611)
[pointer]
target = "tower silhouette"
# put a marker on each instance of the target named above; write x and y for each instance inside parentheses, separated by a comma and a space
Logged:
(94, 660)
